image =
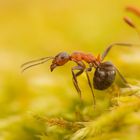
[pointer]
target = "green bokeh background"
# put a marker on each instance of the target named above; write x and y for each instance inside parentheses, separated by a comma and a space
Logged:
(38, 28)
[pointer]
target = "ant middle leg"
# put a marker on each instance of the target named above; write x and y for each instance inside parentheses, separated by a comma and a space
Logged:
(90, 85)
(81, 68)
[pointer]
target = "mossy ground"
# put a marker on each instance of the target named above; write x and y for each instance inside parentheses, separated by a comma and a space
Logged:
(40, 105)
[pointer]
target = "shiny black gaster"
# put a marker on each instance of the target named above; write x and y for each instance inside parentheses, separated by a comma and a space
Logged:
(104, 76)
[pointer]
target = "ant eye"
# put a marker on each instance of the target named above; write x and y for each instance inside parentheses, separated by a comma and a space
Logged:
(62, 57)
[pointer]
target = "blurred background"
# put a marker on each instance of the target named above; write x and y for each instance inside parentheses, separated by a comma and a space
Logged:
(37, 28)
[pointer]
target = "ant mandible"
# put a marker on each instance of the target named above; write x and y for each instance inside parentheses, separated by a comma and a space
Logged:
(105, 71)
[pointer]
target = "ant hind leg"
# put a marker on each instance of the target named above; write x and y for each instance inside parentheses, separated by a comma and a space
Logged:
(105, 53)
(122, 77)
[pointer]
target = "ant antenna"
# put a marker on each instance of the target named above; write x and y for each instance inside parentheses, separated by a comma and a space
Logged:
(36, 62)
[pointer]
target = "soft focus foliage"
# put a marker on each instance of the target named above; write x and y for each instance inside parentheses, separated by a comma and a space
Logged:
(40, 105)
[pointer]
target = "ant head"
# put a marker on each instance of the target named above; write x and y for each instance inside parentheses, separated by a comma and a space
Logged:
(59, 60)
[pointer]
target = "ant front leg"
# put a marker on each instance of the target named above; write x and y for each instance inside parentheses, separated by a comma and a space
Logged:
(90, 85)
(80, 67)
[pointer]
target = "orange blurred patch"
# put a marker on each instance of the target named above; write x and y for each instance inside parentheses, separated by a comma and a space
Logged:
(134, 10)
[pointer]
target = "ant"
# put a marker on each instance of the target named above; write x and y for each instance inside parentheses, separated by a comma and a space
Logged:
(104, 74)
(105, 71)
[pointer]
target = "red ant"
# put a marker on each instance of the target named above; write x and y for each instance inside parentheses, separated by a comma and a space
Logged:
(105, 71)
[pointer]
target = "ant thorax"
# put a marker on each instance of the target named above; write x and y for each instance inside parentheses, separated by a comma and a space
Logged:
(81, 56)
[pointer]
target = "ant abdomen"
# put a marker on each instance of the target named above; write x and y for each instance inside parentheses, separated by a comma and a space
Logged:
(104, 76)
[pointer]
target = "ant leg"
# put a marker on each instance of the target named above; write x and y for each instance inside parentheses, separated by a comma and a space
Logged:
(90, 85)
(112, 45)
(122, 77)
(75, 82)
